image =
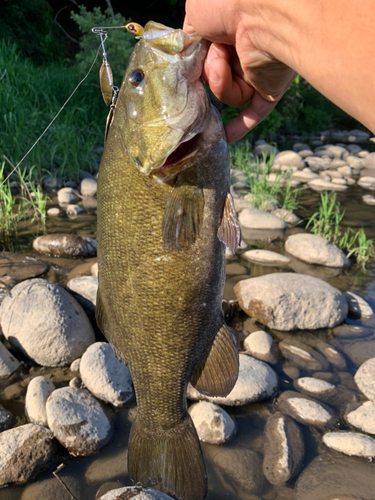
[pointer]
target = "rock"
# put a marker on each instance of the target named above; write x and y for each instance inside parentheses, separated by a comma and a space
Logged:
(290, 159)
(351, 443)
(365, 379)
(305, 409)
(65, 245)
(85, 288)
(336, 478)
(369, 161)
(135, 493)
(265, 257)
(289, 301)
(8, 363)
(67, 195)
(46, 323)
(264, 149)
(304, 175)
(89, 186)
(315, 250)
(357, 305)
(337, 151)
(345, 170)
(53, 212)
(287, 215)
(74, 210)
(212, 423)
(300, 146)
(6, 419)
(357, 135)
(21, 267)
(253, 218)
(314, 386)
(25, 452)
(368, 199)
(105, 376)
(260, 345)
(363, 417)
(38, 391)
(366, 182)
(74, 367)
(291, 371)
(256, 382)
(94, 270)
(322, 185)
(78, 421)
(333, 355)
(283, 449)
(234, 269)
(268, 202)
(52, 182)
(303, 355)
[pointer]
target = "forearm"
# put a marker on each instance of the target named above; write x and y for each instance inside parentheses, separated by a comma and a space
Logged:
(330, 43)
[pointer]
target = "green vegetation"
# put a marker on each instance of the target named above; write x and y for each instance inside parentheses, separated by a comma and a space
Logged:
(326, 223)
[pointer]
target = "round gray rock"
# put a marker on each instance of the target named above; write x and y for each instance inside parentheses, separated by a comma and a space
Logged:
(315, 250)
(363, 417)
(46, 323)
(38, 391)
(303, 355)
(212, 423)
(260, 345)
(67, 195)
(266, 257)
(256, 382)
(6, 419)
(89, 186)
(253, 218)
(77, 420)
(365, 379)
(85, 288)
(65, 245)
(283, 449)
(289, 301)
(24, 452)
(105, 376)
(289, 159)
(351, 443)
(8, 363)
(357, 305)
(314, 386)
(135, 493)
(305, 409)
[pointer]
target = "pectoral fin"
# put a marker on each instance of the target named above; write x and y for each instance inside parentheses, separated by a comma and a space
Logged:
(217, 375)
(183, 215)
(229, 231)
(106, 328)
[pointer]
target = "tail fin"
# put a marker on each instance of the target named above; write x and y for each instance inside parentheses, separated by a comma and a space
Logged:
(172, 457)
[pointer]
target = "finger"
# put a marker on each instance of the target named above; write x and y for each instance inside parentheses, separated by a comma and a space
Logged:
(249, 118)
(187, 26)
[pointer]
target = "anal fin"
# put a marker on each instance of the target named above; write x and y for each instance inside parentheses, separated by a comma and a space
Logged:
(106, 328)
(183, 214)
(217, 375)
(229, 231)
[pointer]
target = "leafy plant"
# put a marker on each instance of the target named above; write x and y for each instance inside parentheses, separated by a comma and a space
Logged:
(357, 244)
(326, 222)
(9, 216)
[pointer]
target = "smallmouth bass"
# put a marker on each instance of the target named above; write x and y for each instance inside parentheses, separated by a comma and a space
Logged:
(164, 211)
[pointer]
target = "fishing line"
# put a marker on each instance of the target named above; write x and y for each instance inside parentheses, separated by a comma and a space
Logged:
(62, 107)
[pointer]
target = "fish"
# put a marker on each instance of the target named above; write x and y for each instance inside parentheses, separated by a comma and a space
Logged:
(165, 215)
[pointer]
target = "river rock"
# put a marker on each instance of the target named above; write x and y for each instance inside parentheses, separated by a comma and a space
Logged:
(135, 493)
(46, 323)
(290, 301)
(94, 270)
(289, 159)
(38, 391)
(105, 376)
(262, 148)
(290, 218)
(6, 419)
(86, 289)
(336, 478)
(365, 379)
(368, 199)
(314, 386)
(74, 367)
(315, 250)
(304, 175)
(8, 363)
(267, 257)
(363, 417)
(303, 355)
(73, 211)
(67, 195)
(332, 355)
(260, 345)
(25, 451)
(65, 245)
(369, 161)
(322, 185)
(305, 409)
(351, 443)
(212, 423)
(53, 212)
(256, 382)
(253, 218)
(357, 305)
(283, 449)
(89, 186)
(77, 420)
(21, 267)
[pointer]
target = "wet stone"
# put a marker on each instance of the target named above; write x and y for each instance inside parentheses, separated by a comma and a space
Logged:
(302, 355)
(363, 417)
(313, 386)
(78, 421)
(254, 218)
(6, 419)
(65, 245)
(368, 199)
(260, 345)
(134, 493)
(212, 423)
(74, 210)
(8, 363)
(315, 250)
(38, 391)
(305, 409)
(290, 218)
(265, 257)
(46, 323)
(21, 267)
(53, 212)
(67, 195)
(89, 187)
(105, 376)
(333, 356)
(351, 443)
(358, 306)
(283, 449)
(365, 379)
(85, 288)
(256, 382)
(25, 452)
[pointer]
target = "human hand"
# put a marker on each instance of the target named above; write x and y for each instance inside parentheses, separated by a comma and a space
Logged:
(236, 70)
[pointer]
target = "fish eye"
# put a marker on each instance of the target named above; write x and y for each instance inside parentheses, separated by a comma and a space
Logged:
(136, 77)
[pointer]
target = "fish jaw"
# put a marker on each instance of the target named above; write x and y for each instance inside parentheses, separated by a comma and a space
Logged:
(168, 105)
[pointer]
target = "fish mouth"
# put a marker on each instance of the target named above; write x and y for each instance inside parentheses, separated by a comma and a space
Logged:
(183, 150)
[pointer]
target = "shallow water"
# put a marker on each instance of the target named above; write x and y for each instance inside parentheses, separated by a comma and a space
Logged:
(234, 469)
